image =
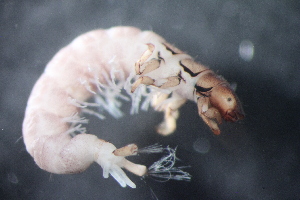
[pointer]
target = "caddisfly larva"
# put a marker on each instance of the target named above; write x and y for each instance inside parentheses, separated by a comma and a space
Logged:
(98, 65)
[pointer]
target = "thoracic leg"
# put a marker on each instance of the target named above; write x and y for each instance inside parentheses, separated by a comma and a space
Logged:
(213, 113)
(142, 80)
(171, 82)
(211, 123)
(170, 107)
(209, 115)
(150, 66)
(144, 57)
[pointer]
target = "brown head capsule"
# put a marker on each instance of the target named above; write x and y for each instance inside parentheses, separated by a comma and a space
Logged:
(216, 100)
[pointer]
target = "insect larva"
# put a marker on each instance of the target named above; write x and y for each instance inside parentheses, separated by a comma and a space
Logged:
(97, 65)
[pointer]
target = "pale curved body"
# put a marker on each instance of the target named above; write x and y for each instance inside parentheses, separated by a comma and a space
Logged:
(76, 73)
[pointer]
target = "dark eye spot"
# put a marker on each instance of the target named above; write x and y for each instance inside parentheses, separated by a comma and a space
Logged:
(229, 99)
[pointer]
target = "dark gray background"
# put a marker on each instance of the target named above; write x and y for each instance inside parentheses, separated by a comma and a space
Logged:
(257, 158)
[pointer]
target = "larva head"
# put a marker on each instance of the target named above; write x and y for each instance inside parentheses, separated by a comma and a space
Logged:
(216, 100)
(224, 99)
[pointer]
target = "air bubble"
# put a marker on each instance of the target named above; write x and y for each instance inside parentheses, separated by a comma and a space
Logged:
(246, 50)
(12, 178)
(202, 145)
